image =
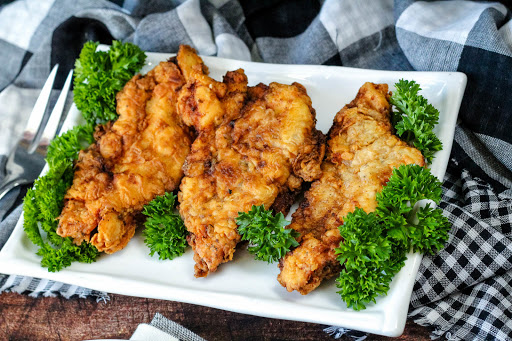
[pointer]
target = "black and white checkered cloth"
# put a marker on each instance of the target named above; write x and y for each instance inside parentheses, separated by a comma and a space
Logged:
(463, 292)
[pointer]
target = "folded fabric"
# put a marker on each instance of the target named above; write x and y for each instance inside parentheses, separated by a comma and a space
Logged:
(146, 332)
(162, 329)
(464, 291)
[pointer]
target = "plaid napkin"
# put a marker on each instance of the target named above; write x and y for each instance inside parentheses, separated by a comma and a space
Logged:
(162, 329)
(463, 292)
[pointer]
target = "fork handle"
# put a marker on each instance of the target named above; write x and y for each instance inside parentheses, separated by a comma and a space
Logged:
(10, 184)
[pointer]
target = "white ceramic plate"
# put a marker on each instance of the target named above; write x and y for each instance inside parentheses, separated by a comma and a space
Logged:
(245, 285)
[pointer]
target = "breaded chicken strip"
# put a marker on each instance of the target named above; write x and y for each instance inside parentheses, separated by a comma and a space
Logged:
(133, 160)
(362, 152)
(254, 145)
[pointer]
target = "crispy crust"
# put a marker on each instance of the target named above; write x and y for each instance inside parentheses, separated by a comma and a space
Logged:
(255, 146)
(362, 152)
(133, 160)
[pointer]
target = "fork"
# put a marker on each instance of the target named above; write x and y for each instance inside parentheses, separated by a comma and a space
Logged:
(26, 160)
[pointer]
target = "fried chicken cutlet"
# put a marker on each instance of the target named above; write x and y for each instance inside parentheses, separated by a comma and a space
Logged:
(255, 146)
(361, 154)
(133, 160)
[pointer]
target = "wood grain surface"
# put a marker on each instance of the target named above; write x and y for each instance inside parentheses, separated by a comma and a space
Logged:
(56, 318)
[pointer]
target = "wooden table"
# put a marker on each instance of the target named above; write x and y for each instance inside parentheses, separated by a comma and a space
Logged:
(56, 318)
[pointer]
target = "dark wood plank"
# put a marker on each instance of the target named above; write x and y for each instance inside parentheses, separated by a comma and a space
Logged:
(56, 318)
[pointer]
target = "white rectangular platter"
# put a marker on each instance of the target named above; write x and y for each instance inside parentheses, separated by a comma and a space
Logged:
(246, 285)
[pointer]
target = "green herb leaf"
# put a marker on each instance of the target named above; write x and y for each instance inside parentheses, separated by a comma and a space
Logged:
(415, 119)
(43, 204)
(367, 257)
(64, 149)
(98, 78)
(165, 232)
(431, 231)
(100, 75)
(375, 244)
(269, 239)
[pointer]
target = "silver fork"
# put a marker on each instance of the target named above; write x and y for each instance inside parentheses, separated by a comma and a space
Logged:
(26, 160)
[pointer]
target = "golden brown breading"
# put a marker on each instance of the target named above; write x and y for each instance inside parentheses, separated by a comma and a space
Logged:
(133, 160)
(253, 144)
(362, 152)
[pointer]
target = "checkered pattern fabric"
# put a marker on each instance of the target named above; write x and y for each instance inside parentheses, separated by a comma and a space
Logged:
(464, 291)
(471, 277)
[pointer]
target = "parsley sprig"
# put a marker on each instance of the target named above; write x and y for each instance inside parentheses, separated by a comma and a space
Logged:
(43, 203)
(100, 75)
(269, 239)
(375, 244)
(415, 118)
(165, 232)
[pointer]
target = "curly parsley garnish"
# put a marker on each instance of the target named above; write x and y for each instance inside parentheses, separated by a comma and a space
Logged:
(165, 231)
(100, 75)
(43, 203)
(415, 119)
(375, 244)
(269, 239)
